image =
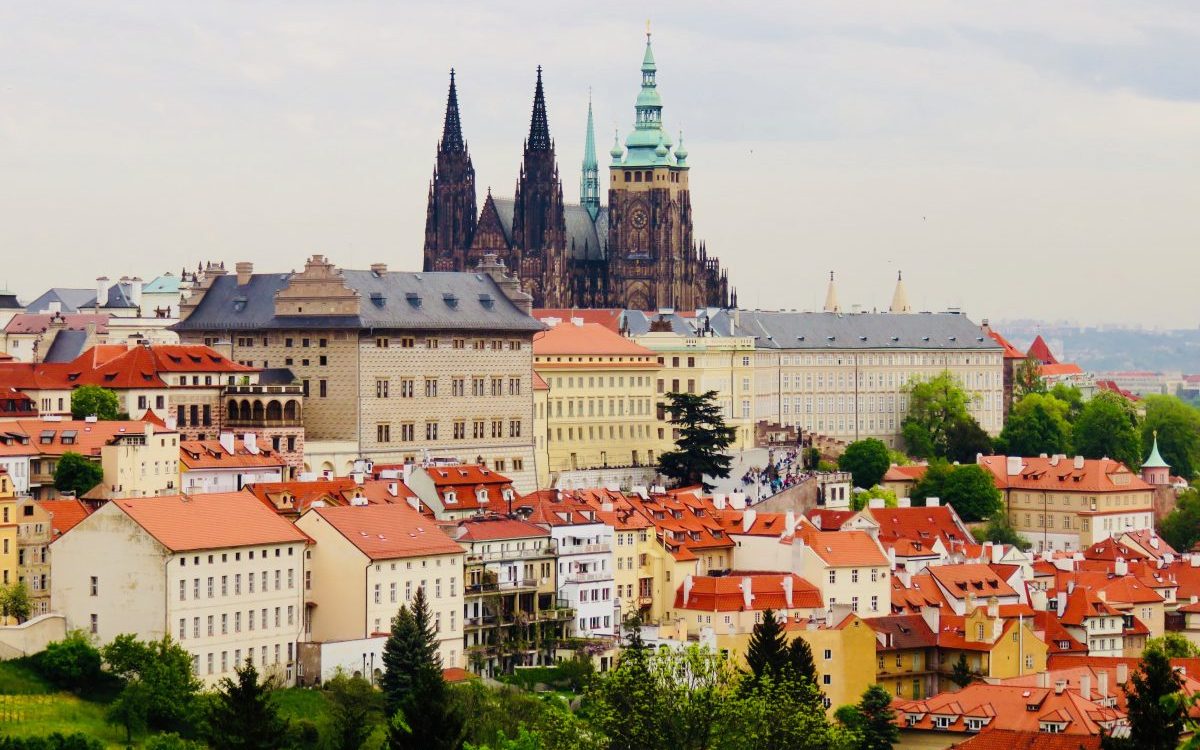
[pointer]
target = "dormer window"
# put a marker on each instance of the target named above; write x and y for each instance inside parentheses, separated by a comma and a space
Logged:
(482, 495)
(450, 498)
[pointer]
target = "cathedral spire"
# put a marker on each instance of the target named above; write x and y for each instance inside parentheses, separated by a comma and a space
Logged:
(589, 186)
(831, 300)
(900, 296)
(452, 140)
(539, 128)
(648, 134)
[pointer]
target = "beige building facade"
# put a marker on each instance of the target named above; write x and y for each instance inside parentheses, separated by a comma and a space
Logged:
(407, 366)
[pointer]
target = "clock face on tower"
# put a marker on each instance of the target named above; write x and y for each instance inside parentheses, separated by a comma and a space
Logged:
(638, 218)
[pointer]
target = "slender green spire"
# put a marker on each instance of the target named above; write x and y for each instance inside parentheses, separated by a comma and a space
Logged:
(589, 184)
(648, 135)
(1155, 460)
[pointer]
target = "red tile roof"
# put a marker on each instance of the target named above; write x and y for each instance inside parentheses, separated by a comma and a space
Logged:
(907, 473)
(976, 579)
(467, 474)
(1040, 351)
(40, 322)
(1061, 368)
(64, 514)
(297, 497)
(830, 520)
(1007, 739)
(1010, 351)
(210, 454)
(725, 593)
(609, 318)
(920, 592)
(486, 528)
(921, 523)
(901, 632)
(587, 339)
(47, 436)
(1096, 475)
(115, 366)
(388, 532)
(842, 549)
(217, 520)
(1012, 707)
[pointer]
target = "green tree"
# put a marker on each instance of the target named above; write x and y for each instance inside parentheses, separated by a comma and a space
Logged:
(703, 439)
(1175, 645)
(76, 474)
(934, 407)
(1181, 527)
(1108, 427)
(960, 672)
(55, 741)
(767, 652)
(94, 401)
(158, 675)
(1000, 531)
(72, 663)
(859, 499)
(866, 460)
(965, 440)
(1178, 429)
(1155, 719)
(872, 721)
(932, 483)
(1027, 378)
(812, 457)
(14, 602)
(776, 714)
(800, 659)
(972, 492)
(1037, 424)
(170, 741)
(412, 683)
(355, 711)
(1071, 396)
(129, 710)
(243, 713)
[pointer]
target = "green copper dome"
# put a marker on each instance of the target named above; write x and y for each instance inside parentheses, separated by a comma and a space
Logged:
(644, 142)
(680, 151)
(616, 151)
(1155, 461)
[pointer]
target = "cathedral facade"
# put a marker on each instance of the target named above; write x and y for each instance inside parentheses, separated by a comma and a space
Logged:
(637, 252)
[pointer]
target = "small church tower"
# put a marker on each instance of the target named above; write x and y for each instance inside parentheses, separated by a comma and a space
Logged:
(1156, 471)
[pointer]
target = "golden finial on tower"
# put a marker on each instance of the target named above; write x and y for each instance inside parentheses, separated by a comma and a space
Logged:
(647, 30)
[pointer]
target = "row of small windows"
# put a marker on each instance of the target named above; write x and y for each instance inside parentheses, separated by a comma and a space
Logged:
(407, 387)
(211, 587)
(221, 626)
(406, 432)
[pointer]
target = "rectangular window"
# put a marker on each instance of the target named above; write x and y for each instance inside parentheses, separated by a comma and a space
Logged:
(381, 388)
(383, 433)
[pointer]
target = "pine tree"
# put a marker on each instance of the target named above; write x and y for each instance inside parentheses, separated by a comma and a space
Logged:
(800, 659)
(767, 653)
(412, 684)
(960, 673)
(878, 728)
(243, 715)
(703, 438)
(1154, 724)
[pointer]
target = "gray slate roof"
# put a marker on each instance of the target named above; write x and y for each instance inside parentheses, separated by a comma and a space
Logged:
(821, 330)
(69, 299)
(67, 345)
(439, 301)
(586, 240)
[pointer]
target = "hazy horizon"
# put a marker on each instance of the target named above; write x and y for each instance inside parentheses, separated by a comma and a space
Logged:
(1016, 160)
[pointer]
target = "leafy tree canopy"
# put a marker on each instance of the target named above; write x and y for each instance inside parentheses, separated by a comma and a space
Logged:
(1037, 424)
(1107, 426)
(866, 460)
(1027, 378)
(972, 492)
(1181, 527)
(937, 411)
(76, 474)
(1000, 531)
(1178, 429)
(94, 401)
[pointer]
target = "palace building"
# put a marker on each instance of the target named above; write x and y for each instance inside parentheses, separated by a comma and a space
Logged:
(638, 252)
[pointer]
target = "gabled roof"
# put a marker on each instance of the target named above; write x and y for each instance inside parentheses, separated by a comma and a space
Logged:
(1040, 351)
(974, 579)
(1012, 707)
(494, 527)
(218, 520)
(725, 593)
(610, 318)
(1060, 475)
(1010, 351)
(210, 454)
(555, 508)
(841, 549)
(65, 513)
(920, 523)
(901, 632)
(388, 532)
(31, 322)
(69, 299)
(56, 437)
(1028, 739)
(907, 473)
(829, 520)
(587, 339)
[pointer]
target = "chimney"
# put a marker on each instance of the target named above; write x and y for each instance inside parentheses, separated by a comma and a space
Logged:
(789, 523)
(1122, 673)
(171, 422)
(1059, 686)
(245, 270)
(1085, 686)
(379, 269)
(719, 500)
(933, 618)
(1055, 459)
(1013, 465)
(1071, 586)
(1102, 682)
(393, 489)
(687, 588)
(414, 503)
(1194, 561)
(250, 440)
(1079, 462)
(748, 520)
(228, 442)
(993, 607)
(135, 290)
(102, 286)
(904, 502)
(747, 592)
(787, 590)
(54, 307)
(1120, 567)
(1061, 602)
(932, 502)
(1043, 679)
(737, 500)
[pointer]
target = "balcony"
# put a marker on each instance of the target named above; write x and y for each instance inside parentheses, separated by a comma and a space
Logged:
(259, 390)
(502, 586)
(588, 577)
(584, 549)
(262, 423)
(512, 554)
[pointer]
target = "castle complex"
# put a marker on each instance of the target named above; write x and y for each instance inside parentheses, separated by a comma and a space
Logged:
(638, 252)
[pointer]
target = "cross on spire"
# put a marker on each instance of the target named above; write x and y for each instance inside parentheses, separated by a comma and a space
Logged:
(539, 128)
(452, 140)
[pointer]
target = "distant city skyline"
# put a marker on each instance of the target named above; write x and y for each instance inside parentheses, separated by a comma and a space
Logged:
(1017, 161)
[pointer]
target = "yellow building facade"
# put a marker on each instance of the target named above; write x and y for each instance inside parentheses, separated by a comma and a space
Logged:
(844, 655)
(8, 530)
(600, 404)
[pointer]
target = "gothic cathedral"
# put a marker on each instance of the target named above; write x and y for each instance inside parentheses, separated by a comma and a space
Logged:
(636, 253)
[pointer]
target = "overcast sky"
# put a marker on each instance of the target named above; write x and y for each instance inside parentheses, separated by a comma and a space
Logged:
(1016, 159)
